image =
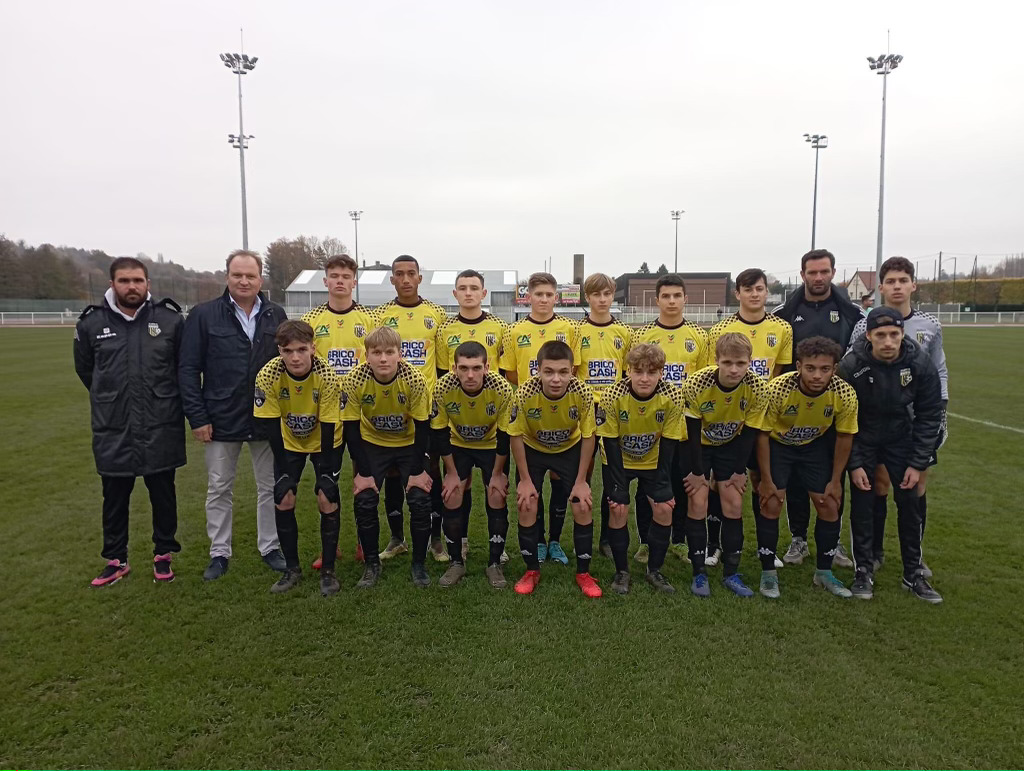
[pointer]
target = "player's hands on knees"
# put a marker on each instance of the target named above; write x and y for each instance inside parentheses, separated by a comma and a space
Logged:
(618, 510)
(860, 480)
(833, 490)
(694, 482)
(361, 483)
(498, 486)
(422, 481)
(203, 434)
(525, 494)
(738, 482)
(450, 485)
(910, 479)
(767, 490)
(580, 493)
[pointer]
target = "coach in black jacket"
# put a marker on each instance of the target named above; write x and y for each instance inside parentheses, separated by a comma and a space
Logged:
(226, 343)
(899, 415)
(126, 354)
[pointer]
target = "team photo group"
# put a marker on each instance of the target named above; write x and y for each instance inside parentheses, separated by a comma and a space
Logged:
(817, 406)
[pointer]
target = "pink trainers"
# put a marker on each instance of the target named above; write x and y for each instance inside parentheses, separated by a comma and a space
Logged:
(162, 568)
(112, 573)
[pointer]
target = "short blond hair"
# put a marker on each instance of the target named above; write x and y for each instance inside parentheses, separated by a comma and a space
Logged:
(383, 338)
(733, 344)
(598, 282)
(646, 356)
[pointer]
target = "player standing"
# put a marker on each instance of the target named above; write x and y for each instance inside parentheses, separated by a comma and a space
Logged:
(340, 326)
(297, 398)
(795, 445)
(470, 423)
(519, 360)
(552, 432)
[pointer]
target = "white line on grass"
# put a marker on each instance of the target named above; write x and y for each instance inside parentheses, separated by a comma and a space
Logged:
(987, 423)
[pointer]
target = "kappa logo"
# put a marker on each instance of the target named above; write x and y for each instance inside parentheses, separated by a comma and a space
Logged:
(105, 334)
(574, 413)
(799, 318)
(827, 412)
(792, 410)
(690, 346)
(284, 394)
(833, 316)
(154, 329)
(322, 330)
(905, 377)
(491, 339)
(772, 340)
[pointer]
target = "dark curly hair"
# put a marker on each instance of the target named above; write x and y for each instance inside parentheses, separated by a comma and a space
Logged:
(818, 346)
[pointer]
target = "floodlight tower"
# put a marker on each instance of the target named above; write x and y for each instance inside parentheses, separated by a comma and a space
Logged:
(241, 64)
(883, 65)
(676, 214)
(355, 215)
(818, 142)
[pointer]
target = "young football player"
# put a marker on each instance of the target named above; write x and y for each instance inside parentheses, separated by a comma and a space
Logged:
(552, 433)
(795, 445)
(470, 424)
(297, 395)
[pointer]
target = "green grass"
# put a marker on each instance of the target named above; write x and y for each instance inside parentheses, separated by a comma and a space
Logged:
(226, 675)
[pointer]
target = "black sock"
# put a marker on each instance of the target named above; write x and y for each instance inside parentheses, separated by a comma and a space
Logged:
(394, 498)
(606, 513)
(922, 506)
(879, 513)
(435, 527)
(583, 543)
(330, 528)
(714, 520)
(732, 545)
(755, 501)
(618, 539)
(643, 516)
(767, 540)
(288, 534)
(467, 506)
(657, 539)
(559, 504)
(453, 530)
(826, 538)
(497, 530)
(540, 516)
(528, 545)
(697, 536)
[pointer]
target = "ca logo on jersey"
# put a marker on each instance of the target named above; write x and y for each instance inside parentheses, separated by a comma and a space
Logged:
(792, 410)
(833, 316)
(585, 342)
(708, 406)
(533, 413)
(560, 336)
(690, 346)
(391, 321)
(599, 416)
(369, 399)
(284, 394)
(523, 341)
(905, 377)
(574, 414)
(743, 403)
(401, 398)
(323, 331)
(513, 413)
(316, 396)
(452, 408)
(772, 340)
(454, 340)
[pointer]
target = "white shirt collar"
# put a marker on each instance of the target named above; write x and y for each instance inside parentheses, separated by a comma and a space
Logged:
(255, 306)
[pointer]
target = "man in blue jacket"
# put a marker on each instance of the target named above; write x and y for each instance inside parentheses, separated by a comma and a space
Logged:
(226, 343)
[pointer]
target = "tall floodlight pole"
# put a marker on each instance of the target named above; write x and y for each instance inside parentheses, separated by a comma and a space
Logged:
(883, 65)
(355, 221)
(676, 214)
(240, 64)
(818, 142)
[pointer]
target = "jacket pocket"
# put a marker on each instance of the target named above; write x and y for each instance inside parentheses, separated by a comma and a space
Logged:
(165, 403)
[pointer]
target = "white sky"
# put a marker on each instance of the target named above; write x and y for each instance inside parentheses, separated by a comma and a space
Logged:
(494, 135)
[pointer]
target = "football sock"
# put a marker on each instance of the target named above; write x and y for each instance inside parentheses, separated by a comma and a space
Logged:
(394, 499)
(583, 542)
(497, 529)
(330, 528)
(732, 545)
(657, 538)
(714, 519)
(605, 515)
(643, 516)
(767, 540)
(559, 505)
(826, 538)
(618, 539)
(697, 537)
(288, 534)
(453, 530)
(528, 545)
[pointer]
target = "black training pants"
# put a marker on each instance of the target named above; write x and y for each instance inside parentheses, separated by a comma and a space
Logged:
(117, 494)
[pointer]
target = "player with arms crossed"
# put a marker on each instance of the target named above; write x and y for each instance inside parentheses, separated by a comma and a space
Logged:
(416, 320)
(728, 400)
(470, 426)
(794, 445)
(602, 343)
(340, 326)
(897, 287)
(520, 362)
(471, 323)
(686, 350)
(899, 397)
(298, 398)
(385, 408)
(642, 424)
(552, 432)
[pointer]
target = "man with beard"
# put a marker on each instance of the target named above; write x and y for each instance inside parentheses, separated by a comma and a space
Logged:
(126, 354)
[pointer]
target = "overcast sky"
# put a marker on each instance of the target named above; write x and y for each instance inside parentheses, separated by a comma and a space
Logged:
(494, 135)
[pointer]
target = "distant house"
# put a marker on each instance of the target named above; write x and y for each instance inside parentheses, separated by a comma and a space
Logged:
(862, 283)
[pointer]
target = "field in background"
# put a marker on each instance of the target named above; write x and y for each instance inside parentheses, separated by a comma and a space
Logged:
(226, 675)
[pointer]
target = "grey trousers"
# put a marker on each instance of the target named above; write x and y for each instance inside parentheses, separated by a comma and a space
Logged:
(221, 465)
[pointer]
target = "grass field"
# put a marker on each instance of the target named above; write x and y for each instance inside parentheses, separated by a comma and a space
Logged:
(224, 674)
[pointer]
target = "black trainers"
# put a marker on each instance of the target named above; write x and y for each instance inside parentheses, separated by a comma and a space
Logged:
(329, 584)
(288, 581)
(218, 566)
(659, 582)
(620, 583)
(863, 586)
(420, 578)
(371, 572)
(922, 589)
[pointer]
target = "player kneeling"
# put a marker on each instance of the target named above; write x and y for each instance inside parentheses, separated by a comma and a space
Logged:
(385, 407)
(796, 445)
(470, 425)
(641, 422)
(728, 399)
(298, 397)
(552, 432)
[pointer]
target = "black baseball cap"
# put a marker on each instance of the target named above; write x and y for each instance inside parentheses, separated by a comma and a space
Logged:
(884, 317)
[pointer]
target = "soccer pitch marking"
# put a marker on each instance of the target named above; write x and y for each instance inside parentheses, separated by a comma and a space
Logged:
(987, 423)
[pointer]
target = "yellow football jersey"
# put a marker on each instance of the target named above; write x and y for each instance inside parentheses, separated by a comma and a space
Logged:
(302, 403)
(386, 411)
(525, 337)
(552, 425)
(795, 418)
(339, 335)
(417, 324)
(474, 419)
(487, 330)
(638, 423)
(771, 338)
(685, 347)
(724, 413)
(601, 353)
